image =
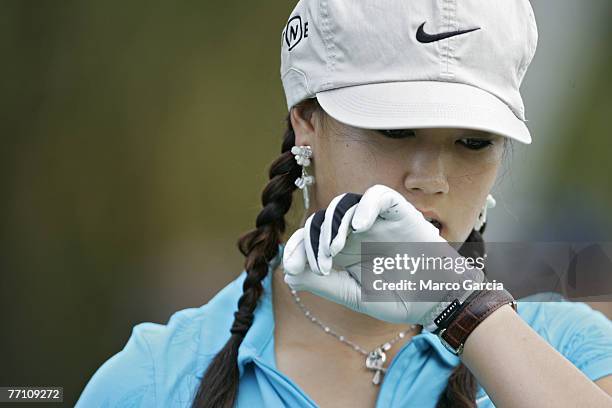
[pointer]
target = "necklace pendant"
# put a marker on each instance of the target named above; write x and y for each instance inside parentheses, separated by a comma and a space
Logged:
(374, 361)
(376, 358)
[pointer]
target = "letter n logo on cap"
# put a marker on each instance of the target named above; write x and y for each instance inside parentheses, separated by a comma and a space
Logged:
(295, 31)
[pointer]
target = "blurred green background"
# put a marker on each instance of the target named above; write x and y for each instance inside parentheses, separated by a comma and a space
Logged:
(136, 138)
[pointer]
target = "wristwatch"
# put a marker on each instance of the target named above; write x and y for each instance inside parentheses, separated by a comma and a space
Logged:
(458, 320)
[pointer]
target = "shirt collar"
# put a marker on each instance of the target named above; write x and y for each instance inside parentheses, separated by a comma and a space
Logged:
(215, 328)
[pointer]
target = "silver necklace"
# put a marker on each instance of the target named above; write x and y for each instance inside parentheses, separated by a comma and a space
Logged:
(374, 359)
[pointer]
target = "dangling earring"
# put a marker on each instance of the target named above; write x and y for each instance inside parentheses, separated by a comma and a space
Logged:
(482, 217)
(302, 156)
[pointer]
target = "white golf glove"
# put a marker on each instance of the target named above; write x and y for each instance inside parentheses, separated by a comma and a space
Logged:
(324, 257)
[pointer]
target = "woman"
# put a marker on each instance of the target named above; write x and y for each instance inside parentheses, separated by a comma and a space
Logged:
(416, 101)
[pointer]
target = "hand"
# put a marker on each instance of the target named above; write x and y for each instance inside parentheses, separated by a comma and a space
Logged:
(324, 257)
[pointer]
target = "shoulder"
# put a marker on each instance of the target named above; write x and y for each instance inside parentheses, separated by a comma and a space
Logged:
(127, 378)
(161, 362)
(581, 334)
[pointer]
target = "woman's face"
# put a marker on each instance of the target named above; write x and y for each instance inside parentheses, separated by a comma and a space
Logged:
(448, 172)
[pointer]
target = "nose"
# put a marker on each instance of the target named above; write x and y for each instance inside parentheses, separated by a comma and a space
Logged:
(425, 173)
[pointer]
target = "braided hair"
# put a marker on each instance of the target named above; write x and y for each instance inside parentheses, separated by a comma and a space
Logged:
(219, 385)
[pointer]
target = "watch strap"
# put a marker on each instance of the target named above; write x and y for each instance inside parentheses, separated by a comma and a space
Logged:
(476, 308)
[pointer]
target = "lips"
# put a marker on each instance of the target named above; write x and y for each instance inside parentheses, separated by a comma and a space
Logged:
(433, 218)
(434, 222)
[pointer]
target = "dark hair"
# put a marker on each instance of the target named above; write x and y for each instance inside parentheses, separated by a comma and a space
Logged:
(219, 385)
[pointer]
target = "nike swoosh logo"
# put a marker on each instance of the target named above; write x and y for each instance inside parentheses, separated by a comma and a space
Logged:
(425, 38)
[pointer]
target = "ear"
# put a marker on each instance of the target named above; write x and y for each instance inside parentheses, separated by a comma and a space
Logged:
(303, 122)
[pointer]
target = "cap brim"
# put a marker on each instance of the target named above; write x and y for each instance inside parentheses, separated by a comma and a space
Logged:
(422, 104)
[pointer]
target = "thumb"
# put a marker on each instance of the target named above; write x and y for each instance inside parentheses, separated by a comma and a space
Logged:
(294, 254)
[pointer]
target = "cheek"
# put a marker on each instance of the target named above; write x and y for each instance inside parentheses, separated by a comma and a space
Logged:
(462, 164)
(344, 166)
(466, 196)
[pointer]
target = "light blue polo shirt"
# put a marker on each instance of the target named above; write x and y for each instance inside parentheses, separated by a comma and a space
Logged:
(160, 365)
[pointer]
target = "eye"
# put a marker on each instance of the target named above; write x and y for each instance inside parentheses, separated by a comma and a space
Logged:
(397, 133)
(475, 143)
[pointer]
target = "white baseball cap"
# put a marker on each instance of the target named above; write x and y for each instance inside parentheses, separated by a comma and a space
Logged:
(409, 64)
